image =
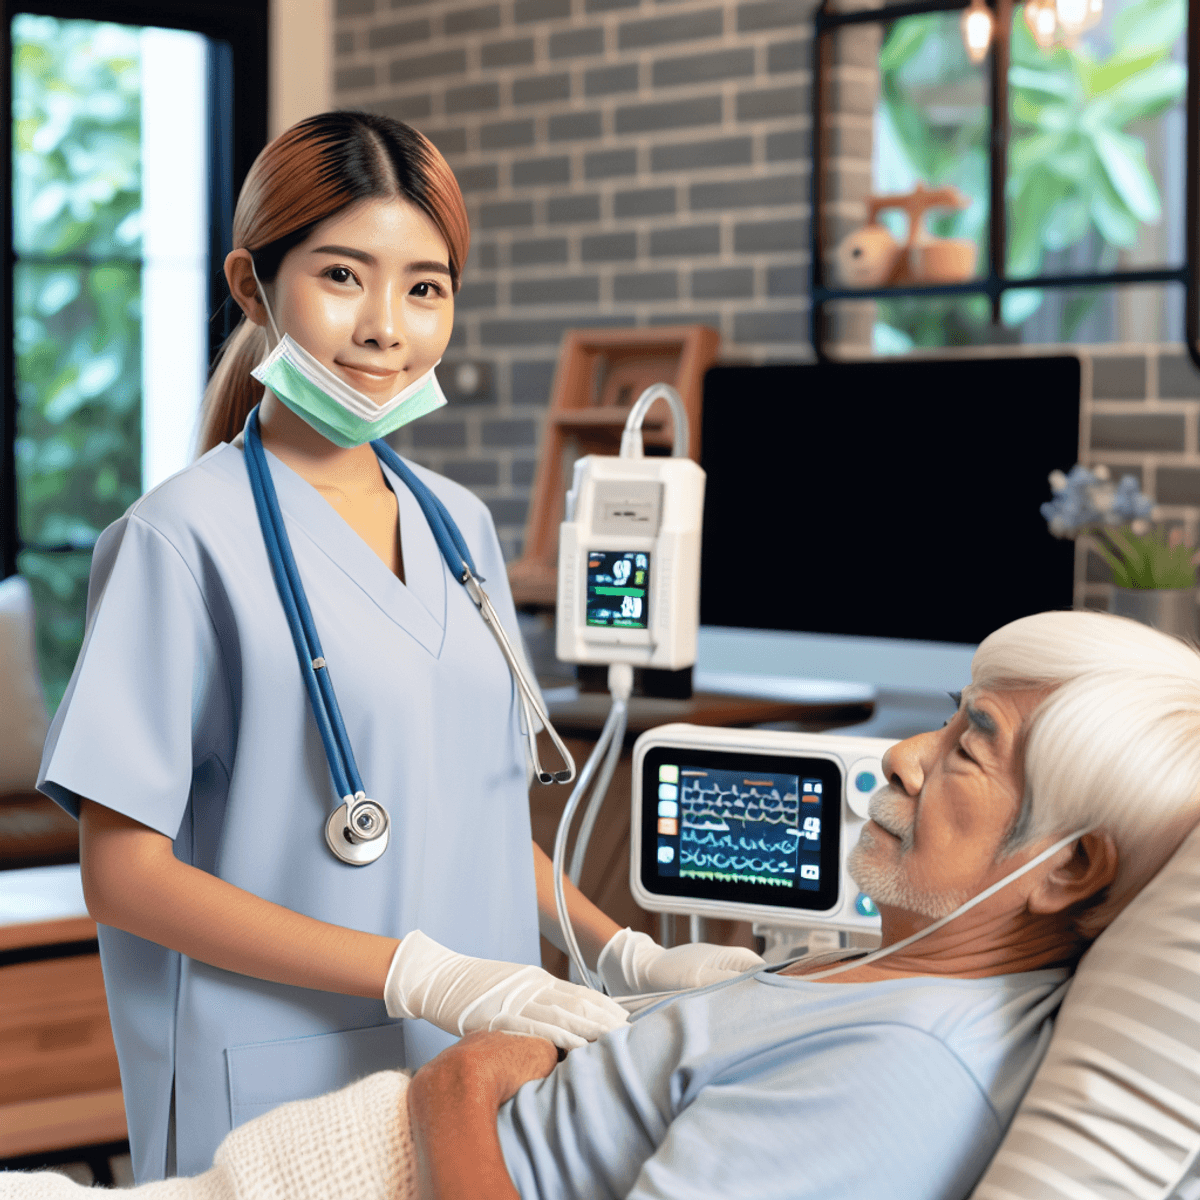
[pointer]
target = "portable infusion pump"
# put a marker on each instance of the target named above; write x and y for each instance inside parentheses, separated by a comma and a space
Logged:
(752, 824)
(629, 554)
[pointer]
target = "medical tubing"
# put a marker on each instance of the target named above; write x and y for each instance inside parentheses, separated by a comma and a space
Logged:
(631, 436)
(987, 892)
(278, 550)
(560, 840)
(592, 812)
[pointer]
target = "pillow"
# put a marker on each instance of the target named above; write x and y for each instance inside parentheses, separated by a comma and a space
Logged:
(1113, 1112)
(23, 722)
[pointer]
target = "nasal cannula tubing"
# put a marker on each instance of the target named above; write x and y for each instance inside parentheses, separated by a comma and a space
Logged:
(620, 686)
(636, 1003)
(987, 892)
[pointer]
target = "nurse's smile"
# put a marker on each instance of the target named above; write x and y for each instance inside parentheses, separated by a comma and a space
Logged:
(368, 293)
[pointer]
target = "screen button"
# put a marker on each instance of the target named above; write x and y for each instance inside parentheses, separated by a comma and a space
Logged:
(865, 906)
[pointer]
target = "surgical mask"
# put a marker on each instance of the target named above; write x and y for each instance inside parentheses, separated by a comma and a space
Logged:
(328, 403)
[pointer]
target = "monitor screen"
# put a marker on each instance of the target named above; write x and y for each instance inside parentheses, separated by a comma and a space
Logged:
(886, 499)
(618, 588)
(755, 828)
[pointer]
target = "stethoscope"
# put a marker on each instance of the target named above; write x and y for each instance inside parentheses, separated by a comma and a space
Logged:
(357, 831)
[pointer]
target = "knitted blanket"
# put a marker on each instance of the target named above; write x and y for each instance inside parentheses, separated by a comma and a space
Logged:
(352, 1144)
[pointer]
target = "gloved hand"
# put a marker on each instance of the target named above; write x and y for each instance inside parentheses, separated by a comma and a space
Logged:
(461, 994)
(632, 963)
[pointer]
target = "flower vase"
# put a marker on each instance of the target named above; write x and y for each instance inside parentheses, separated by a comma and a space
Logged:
(1171, 610)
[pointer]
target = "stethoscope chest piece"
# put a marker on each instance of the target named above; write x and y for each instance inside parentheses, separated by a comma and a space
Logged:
(358, 834)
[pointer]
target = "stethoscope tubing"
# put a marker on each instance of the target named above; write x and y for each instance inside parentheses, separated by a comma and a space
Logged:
(313, 668)
(332, 728)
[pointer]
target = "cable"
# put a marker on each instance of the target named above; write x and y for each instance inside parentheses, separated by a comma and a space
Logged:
(592, 812)
(560, 842)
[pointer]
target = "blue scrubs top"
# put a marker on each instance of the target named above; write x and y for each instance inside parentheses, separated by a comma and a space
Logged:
(186, 712)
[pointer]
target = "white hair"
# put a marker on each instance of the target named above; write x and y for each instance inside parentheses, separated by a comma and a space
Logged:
(1116, 743)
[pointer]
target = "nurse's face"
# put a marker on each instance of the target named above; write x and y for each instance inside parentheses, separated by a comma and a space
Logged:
(368, 293)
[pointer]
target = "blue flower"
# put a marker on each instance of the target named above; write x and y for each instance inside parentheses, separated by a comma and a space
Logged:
(1086, 499)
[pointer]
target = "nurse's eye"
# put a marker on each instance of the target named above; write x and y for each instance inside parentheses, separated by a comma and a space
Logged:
(340, 275)
(428, 290)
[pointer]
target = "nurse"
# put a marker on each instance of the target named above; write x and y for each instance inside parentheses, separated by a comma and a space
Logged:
(246, 963)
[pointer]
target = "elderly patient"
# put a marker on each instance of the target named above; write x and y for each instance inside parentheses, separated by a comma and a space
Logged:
(891, 1079)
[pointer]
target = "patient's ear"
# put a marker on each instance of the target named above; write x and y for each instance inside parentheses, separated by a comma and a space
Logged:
(1091, 867)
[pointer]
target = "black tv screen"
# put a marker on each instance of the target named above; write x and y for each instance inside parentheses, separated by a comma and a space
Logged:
(886, 499)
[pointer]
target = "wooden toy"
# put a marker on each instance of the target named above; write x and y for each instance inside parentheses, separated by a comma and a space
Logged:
(872, 257)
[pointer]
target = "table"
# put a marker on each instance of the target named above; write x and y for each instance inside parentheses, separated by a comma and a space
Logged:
(60, 1086)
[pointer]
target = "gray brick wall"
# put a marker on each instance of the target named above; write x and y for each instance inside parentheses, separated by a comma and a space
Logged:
(624, 162)
(639, 162)
(1141, 411)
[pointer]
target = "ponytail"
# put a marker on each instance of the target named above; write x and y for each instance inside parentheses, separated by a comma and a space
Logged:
(232, 391)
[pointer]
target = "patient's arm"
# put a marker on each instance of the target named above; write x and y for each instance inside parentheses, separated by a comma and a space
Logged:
(452, 1106)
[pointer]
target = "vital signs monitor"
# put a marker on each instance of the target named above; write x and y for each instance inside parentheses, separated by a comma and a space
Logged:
(629, 553)
(752, 824)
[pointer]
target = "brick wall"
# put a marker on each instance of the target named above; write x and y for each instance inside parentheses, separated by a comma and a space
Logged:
(624, 162)
(632, 162)
(1141, 409)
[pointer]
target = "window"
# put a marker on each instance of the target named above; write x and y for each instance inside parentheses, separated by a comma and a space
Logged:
(122, 166)
(1071, 162)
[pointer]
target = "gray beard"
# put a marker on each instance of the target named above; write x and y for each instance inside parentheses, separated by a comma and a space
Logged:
(886, 882)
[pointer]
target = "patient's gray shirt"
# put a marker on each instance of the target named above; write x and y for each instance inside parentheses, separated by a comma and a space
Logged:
(775, 1086)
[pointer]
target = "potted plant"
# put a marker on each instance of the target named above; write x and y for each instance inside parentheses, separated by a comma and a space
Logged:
(1154, 572)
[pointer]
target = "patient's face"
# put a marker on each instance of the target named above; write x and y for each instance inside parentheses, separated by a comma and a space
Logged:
(935, 832)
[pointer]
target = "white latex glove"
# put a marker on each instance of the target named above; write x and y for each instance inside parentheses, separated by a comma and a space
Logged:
(461, 994)
(632, 963)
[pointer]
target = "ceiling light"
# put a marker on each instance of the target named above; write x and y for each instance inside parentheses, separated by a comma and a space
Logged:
(977, 30)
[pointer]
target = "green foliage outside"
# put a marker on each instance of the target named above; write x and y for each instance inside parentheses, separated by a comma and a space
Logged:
(77, 307)
(1077, 170)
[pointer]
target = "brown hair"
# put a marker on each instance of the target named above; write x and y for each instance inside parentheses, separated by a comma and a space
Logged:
(320, 166)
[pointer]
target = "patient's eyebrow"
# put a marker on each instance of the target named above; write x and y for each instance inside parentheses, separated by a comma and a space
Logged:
(982, 721)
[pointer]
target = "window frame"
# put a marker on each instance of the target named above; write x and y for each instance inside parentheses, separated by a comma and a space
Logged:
(996, 282)
(238, 73)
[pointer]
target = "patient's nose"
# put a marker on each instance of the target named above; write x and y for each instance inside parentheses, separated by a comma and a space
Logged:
(905, 764)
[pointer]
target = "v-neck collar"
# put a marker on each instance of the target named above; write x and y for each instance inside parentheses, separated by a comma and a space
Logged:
(418, 606)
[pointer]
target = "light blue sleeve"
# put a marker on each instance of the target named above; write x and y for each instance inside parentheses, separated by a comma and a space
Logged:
(125, 734)
(908, 1121)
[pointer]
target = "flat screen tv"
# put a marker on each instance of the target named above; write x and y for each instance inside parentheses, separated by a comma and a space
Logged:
(886, 499)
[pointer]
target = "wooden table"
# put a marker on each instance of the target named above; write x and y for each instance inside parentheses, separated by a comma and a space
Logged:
(60, 1086)
(605, 879)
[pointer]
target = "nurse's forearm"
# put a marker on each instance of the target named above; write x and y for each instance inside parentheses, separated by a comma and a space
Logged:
(133, 881)
(593, 928)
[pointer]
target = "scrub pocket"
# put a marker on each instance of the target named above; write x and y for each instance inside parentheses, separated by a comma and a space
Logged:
(264, 1075)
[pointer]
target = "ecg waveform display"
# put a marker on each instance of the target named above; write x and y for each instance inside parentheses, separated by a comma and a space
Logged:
(740, 828)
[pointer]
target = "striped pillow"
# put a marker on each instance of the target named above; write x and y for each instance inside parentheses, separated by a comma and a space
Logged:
(1114, 1110)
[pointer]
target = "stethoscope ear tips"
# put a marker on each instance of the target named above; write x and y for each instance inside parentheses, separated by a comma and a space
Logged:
(546, 777)
(560, 777)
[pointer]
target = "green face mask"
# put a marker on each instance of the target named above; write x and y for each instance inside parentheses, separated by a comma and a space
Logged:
(329, 404)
